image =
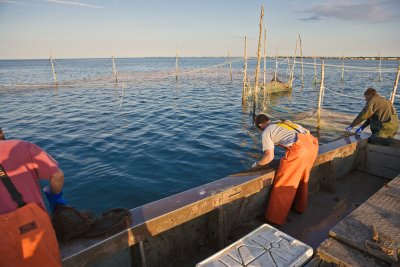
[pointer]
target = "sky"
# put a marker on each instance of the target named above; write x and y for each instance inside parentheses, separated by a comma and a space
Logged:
(30, 29)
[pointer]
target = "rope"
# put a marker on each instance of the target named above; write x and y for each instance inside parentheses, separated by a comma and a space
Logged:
(346, 95)
(294, 116)
(213, 66)
(107, 78)
(171, 73)
(350, 67)
(226, 62)
(277, 108)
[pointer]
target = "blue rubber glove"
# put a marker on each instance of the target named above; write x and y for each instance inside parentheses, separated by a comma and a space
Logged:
(348, 129)
(54, 199)
(359, 130)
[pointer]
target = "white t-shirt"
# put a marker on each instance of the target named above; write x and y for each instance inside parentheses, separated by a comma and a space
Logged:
(279, 133)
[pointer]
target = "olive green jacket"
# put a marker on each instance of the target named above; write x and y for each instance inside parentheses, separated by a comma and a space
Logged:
(377, 109)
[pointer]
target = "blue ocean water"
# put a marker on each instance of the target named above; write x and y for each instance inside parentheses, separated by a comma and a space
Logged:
(149, 135)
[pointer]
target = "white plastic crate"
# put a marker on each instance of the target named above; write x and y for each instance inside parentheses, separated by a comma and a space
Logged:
(265, 246)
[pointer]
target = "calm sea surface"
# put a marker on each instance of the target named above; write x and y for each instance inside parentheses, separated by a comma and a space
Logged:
(150, 135)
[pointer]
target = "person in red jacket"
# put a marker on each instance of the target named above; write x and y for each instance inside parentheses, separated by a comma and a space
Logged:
(291, 179)
(27, 235)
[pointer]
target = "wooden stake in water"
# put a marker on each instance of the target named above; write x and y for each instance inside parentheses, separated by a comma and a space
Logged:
(288, 68)
(122, 95)
(114, 70)
(52, 68)
(380, 67)
(244, 94)
(276, 65)
(396, 81)
(302, 63)
(176, 65)
(230, 65)
(315, 71)
(321, 88)
(258, 65)
(294, 64)
(342, 68)
(265, 56)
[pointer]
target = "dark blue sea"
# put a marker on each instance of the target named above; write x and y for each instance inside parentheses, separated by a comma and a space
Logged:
(151, 134)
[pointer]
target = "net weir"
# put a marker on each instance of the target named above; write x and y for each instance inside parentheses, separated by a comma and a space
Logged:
(263, 99)
(218, 70)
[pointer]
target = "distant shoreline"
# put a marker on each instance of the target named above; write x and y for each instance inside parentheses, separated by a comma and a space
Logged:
(352, 58)
(304, 57)
(358, 58)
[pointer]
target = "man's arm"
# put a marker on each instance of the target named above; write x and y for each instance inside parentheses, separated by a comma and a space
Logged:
(267, 157)
(54, 191)
(57, 182)
(365, 113)
(366, 123)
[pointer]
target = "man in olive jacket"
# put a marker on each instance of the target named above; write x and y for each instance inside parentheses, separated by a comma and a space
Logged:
(380, 115)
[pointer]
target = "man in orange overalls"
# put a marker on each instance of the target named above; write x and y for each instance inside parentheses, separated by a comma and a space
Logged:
(291, 180)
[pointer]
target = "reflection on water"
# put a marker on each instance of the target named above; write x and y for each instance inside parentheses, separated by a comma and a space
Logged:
(164, 136)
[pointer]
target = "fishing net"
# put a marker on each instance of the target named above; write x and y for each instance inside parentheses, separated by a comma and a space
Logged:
(110, 222)
(70, 223)
(275, 85)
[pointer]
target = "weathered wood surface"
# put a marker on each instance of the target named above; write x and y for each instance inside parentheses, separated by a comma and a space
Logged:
(384, 161)
(393, 149)
(317, 262)
(375, 226)
(333, 251)
(162, 215)
(382, 171)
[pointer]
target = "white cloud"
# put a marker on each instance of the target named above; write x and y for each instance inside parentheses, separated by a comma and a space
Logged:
(312, 18)
(9, 2)
(72, 3)
(371, 11)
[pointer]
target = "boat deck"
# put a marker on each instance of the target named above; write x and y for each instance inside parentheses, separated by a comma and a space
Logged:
(370, 234)
(325, 209)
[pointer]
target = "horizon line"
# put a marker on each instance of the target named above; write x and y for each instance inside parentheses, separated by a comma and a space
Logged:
(312, 57)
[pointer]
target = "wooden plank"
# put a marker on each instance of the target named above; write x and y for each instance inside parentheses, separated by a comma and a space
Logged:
(314, 262)
(378, 217)
(327, 177)
(384, 160)
(386, 150)
(393, 150)
(382, 171)
(333, 251)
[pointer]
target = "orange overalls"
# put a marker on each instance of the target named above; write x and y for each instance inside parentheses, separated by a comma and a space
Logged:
(291, 179)
(27, 237)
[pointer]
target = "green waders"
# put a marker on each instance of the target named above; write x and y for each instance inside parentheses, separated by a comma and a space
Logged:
(382, 133)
